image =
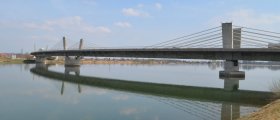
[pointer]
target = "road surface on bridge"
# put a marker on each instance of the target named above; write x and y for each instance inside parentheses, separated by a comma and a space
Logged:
(261, 54)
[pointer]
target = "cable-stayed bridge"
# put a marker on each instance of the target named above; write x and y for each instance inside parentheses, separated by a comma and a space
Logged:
(225, 42)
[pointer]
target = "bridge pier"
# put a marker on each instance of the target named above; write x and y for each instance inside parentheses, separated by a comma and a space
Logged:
(72, 61)
(231, 75)
(42, 66)
(40, 59)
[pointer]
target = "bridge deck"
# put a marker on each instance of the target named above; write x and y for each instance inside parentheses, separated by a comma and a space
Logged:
(262, 54)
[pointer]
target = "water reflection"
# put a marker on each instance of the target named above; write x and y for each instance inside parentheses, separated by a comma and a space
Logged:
(202, 102)
(67, 71)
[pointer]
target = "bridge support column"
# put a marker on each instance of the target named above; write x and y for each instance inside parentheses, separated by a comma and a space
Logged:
(72, 61)
(231, 75)
(40, 59)
(41, 66)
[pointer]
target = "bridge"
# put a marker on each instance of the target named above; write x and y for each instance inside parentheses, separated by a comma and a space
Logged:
(262, 54)
(225, 42)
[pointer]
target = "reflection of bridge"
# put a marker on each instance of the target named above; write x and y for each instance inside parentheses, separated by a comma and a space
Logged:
(203, 93)
(202, 102)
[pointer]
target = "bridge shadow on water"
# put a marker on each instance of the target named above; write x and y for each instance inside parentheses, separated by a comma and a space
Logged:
(185, 98)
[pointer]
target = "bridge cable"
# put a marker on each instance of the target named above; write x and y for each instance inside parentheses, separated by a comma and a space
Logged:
(186, 36)
(188, 39)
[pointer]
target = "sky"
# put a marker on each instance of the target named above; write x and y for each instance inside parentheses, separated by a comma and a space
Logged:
(123, 23)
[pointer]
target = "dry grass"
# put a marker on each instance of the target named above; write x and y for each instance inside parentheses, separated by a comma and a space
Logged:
(268, 112)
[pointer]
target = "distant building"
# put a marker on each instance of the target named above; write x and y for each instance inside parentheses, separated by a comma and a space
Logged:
(14, 57)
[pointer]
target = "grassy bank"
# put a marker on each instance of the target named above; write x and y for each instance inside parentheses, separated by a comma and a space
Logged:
(268, 112)
(4, 60)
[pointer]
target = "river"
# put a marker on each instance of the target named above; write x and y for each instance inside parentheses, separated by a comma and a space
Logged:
(132, 92)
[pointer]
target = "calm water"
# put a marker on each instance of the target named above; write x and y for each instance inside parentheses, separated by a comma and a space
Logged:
(46, 93)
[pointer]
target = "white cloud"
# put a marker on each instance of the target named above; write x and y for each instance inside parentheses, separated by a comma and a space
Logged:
(246, 17)
(158, 6)
(74, 23)
(123, 24)
(134, 12)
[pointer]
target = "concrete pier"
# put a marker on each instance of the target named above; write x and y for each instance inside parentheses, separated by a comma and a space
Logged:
(40, 59)
(72, 61)
(231, 75)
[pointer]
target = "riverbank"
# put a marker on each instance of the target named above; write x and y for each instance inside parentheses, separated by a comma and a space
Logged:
(268, 112)
(4, 60)
(134, 61)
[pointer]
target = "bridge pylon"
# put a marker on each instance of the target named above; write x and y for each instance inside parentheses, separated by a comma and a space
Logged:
(72, 60)
(231, 36)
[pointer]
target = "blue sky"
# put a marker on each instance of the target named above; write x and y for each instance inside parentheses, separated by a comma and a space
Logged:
(108, 23)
